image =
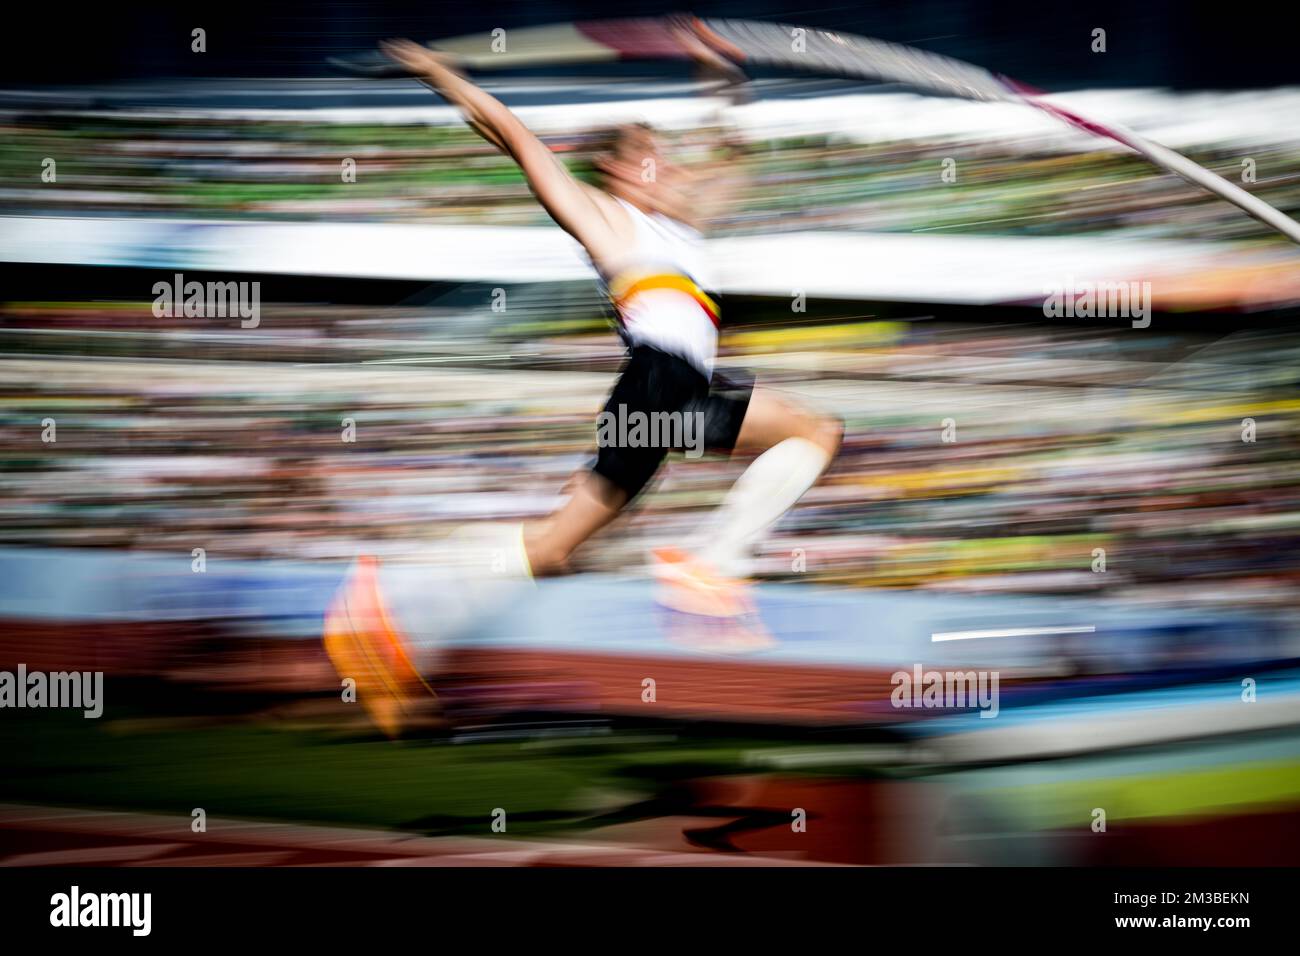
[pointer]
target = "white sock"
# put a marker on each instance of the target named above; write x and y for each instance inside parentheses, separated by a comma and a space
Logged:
(769, 488)
(450, 585)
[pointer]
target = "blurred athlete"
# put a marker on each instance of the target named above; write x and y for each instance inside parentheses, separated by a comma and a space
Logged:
(641, 233)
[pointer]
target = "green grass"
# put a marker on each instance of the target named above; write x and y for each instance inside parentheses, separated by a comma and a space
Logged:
(262, 771)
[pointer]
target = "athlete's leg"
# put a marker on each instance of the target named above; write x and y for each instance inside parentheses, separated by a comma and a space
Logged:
(548, 543)
(772, 418)
(651, 381)
(796, 445)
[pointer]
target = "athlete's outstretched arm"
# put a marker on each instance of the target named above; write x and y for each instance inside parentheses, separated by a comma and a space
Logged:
(578, 209)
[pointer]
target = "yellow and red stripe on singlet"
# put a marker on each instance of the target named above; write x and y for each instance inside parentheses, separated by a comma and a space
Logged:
(624, 288)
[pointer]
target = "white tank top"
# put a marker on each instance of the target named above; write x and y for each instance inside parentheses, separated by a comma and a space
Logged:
(660, 292)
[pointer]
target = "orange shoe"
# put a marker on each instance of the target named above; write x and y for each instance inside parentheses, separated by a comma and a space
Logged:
(363, 644)
(693, 586)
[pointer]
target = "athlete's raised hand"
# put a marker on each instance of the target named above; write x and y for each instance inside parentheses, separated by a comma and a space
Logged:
(579, 209)
(416, 58)
(712, 64)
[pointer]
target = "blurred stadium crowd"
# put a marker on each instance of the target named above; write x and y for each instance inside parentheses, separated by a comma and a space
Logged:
(1067, 440)
(287, 165)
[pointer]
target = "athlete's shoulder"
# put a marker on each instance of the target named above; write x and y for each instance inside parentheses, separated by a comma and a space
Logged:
(617, 212)
(618, 232)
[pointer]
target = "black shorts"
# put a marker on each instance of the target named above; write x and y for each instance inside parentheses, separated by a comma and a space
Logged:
(708, 416)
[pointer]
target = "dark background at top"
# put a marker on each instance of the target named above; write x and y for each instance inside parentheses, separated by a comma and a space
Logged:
(1184, 45)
